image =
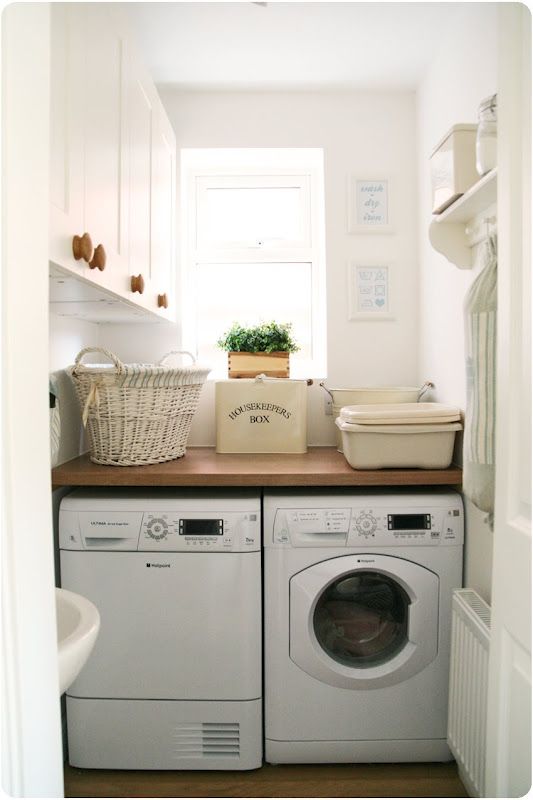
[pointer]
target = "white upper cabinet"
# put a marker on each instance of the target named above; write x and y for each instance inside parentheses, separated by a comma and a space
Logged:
(66, 134)
(141, 113)
(151, 192)
(163, 207)
(112, 161)
(106, 144)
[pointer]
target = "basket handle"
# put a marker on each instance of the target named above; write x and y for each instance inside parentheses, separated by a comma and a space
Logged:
(161, 362)
(323, 385)
(423, 389)
(111, 356)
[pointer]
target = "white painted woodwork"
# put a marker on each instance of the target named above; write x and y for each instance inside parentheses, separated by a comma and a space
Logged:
(31, 752)
(152, 212)
(112, 167)
(163, 206)
(141, 115)
(448, 232)
(66, 133)
(106, 146)
(509, 699)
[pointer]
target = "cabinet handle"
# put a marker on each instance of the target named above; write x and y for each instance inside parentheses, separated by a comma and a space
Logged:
(162, 300)
(137, 283)
(82, 247)
(99, 258)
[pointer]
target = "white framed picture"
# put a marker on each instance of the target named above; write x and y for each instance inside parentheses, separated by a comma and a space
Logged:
(369, 292)
(369, 205)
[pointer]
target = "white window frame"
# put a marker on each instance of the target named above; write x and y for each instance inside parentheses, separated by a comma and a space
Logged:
(264, 180)
(197, 178)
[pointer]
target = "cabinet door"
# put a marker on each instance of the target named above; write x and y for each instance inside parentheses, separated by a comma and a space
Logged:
(163, 207)
(106, 145)
(66, 133)
(112, 157)
(151, 192)
(142, 97)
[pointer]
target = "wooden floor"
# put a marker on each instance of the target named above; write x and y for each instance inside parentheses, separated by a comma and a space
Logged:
(298, 780)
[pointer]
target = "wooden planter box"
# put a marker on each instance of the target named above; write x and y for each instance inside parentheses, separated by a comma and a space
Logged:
(249, 365)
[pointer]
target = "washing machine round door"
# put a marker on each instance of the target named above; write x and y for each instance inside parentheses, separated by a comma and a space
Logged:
(364, 621)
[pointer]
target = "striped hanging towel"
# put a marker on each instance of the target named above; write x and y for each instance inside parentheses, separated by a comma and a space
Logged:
(480, 351)
(55, 421)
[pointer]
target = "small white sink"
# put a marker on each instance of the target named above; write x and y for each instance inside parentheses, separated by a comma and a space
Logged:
(78, 623)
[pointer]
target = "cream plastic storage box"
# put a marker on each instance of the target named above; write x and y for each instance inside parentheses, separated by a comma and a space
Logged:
(261, 415)
(453, 166)
(367, 394)
(410, 435)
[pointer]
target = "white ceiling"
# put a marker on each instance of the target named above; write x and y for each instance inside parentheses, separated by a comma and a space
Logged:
(278, 45)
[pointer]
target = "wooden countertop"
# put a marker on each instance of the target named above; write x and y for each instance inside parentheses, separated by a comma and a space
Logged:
(201, 466)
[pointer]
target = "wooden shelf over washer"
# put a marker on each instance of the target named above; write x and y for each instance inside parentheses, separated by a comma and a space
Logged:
(201, 466)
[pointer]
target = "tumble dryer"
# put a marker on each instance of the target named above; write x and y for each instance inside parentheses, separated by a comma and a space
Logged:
(358, 591)
(175, 678)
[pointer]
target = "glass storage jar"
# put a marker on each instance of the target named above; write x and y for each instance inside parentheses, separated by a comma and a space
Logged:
(486, 139)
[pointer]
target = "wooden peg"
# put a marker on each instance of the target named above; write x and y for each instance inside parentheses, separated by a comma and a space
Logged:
(137, 283)
(82, 247)
(99, 258)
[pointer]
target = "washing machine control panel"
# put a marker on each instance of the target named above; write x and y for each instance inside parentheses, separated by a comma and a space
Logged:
(201, 533)
(370, 523)
(389, 526)
(160, 530)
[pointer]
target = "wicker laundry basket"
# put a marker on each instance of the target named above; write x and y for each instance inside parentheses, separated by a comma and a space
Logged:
(136, 413)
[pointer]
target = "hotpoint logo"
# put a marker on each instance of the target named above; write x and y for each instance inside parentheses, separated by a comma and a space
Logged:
(157, 565)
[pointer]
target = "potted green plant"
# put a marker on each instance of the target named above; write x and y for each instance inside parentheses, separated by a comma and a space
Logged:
(260, 349)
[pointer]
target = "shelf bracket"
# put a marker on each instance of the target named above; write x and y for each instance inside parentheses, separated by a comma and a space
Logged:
(450, 240)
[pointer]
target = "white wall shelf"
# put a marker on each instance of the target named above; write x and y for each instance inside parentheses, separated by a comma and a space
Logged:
(449, 232)
(72, 296)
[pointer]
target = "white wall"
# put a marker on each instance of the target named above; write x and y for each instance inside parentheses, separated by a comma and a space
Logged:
(67, 336)
(462, 73)
(369, 135)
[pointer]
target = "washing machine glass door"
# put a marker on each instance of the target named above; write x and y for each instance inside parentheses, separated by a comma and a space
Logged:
(364, 621)
(361, 619)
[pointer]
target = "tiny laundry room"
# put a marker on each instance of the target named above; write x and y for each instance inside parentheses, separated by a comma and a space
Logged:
(266, 396)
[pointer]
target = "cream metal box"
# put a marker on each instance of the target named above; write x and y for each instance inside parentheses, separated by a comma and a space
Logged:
(453, 166)
(261, 415)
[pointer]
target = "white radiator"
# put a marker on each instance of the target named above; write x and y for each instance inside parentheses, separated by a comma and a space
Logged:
(467, 712)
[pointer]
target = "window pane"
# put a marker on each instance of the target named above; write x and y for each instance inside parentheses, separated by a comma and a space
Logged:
(251, 216)
(251, 294)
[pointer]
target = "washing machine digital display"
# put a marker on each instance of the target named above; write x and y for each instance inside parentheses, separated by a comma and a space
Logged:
(409, 522)
(201, 527)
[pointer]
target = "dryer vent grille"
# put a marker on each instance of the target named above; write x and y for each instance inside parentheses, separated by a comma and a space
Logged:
(207, 740)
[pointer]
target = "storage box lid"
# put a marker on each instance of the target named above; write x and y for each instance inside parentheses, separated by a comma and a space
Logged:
(400, 414)
(425, 427)
(461, 127)
(261, 380)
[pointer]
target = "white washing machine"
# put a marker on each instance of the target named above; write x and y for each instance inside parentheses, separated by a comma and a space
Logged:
(175, 678)
(358, 590)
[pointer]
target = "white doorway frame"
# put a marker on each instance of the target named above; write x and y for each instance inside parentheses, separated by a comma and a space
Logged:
(508, 756)
(31, 761)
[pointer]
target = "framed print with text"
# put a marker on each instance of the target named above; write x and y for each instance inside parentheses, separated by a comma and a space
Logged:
(369, 206)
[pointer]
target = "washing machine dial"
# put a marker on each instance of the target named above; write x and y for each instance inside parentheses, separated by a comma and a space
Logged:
(366, 524)
(157, 529)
